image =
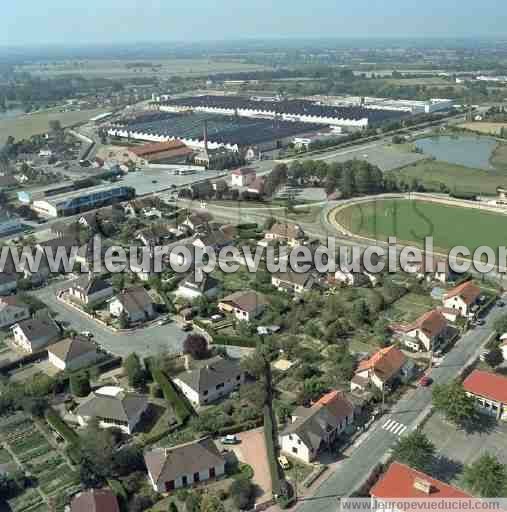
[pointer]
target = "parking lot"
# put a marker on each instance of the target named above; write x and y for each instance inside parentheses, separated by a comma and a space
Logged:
(459, 448)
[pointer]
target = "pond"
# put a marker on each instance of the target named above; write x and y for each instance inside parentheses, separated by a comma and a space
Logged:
(467, 150)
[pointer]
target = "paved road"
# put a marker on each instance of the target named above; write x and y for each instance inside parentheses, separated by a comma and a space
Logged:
(351, 471)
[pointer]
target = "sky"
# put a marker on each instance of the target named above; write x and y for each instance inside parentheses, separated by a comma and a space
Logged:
(36, 22)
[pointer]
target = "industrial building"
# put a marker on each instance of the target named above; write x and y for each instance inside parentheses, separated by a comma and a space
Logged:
(202, 130)
(355, 117)
(75, 202)
(172, 152)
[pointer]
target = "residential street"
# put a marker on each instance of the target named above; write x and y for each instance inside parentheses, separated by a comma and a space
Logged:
(351, 472)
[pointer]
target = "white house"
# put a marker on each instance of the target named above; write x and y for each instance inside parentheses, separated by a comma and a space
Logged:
(135, 303)
(34, 334)
(295, 282)
(462, 298)
(243, 177)
(428, 332)
(244, 305)
(12, 310)
(89, 289)
(215, 380)
(191, 289)
(381, 369)
(72, 354)
(285, 232)
(489, 391)
(312, 430)
(183, 465)
(113, 408)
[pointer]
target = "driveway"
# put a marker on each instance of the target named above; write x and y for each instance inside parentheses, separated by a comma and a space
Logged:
(252, 451)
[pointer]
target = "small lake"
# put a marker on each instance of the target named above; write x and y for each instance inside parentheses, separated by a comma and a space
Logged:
(468, 150)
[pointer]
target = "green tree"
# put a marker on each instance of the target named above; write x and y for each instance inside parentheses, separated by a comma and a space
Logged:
(415, 450)
(452, 401)
(123, 320)
(242, 492)
(211, 503)
(172, 507)
(80, 384)
(494, 357)
(193, 502)
(486, 477)
(136, 374)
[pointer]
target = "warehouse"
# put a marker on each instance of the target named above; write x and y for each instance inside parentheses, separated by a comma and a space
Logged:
(74, 202)
(198, 130)
(172, 152)
(356, 117)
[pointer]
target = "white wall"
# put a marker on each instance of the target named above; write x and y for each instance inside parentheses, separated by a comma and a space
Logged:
(291, 442)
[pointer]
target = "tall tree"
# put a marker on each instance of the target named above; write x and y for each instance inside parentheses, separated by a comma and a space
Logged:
(136, 374)
(452, 401)
(486, 477)
(415, 450)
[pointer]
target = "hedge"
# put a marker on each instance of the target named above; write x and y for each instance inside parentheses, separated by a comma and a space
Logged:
(181, 408)
(270, 447)
(234, 341)
(53, 418)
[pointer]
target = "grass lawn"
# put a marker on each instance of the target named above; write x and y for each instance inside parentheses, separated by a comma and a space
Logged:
(410, 307)
(457, 178)
(484, 127)
(37, 123)
(499, 156)
(412, 221)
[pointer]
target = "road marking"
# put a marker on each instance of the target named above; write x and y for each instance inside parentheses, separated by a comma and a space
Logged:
(394, 427)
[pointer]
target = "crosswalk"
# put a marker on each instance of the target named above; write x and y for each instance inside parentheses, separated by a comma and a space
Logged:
(394, 427)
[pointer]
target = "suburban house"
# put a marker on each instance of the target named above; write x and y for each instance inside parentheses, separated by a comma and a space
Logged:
(211, 382)
(348, 278)
(381, 369)
(216, 239)
(313, 429)
(34, 334)
(8, 283)
(196, 221)
(72, 353)
(243, 177)
(12, 310)
(184, 465)
(292, 234)
(135, 303)
(489, 391)
(95, 500)
(244, 305)
(294, 282)
(429, 332)
(154, 235)
(90, 289)
(403, 482)
(191, 289)
(257, 186)
(113, 408)
(432, 269)
(462, 298)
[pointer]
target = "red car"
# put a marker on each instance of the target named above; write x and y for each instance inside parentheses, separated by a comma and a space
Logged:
(425, 381)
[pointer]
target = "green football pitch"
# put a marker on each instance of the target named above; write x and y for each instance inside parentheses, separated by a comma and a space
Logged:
(413, 220)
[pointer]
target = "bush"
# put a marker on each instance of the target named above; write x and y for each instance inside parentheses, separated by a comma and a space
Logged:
(270, 446)
(196, 345)
(61, 427)
(181, 409)
(80, 384)
(242, 492)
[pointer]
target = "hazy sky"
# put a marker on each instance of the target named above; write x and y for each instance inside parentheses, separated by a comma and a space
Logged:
(70, 21)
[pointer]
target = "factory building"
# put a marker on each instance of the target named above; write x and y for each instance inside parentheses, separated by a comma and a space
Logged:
(304, 111)
(211, 132)
(75, 202)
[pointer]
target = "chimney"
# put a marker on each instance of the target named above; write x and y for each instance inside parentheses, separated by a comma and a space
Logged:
(422, 485)
(206, 136)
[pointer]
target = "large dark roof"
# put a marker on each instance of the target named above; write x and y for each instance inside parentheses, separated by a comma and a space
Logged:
(292, 107)
(221, 129)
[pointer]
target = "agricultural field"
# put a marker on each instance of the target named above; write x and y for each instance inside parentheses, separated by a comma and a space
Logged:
(37, 123)
(435, 174)
(499, 157)
(35, 455)
(117, 69)
(412, 221)
(484, 127)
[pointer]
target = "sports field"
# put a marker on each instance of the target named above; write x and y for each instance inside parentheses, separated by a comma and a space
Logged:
(412, 221)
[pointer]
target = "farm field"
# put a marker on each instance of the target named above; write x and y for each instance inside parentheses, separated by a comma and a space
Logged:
(412, 221)
(34, 124)
(483, 127)
(499, 157)
(457, 178)
(124, 68)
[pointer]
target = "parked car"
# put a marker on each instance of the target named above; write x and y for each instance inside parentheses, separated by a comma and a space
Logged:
(230, 439)
(425, 381)
(187, 326)
(284, 462)
(500, 303)
(87, 334)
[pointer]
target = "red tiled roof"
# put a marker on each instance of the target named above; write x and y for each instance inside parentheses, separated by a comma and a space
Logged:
(432, 323)
(398, 482)
(487, 384)
(467, 291)
(160, 147)
(95, 500)
(244, 171)
(385, 363)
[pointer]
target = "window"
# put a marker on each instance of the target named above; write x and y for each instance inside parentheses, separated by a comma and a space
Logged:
(205, 393)
(290, 437)
(294, 450)
(196, 477)
(220, 386)
(184, 481)
(299, 441)
(212, 472)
